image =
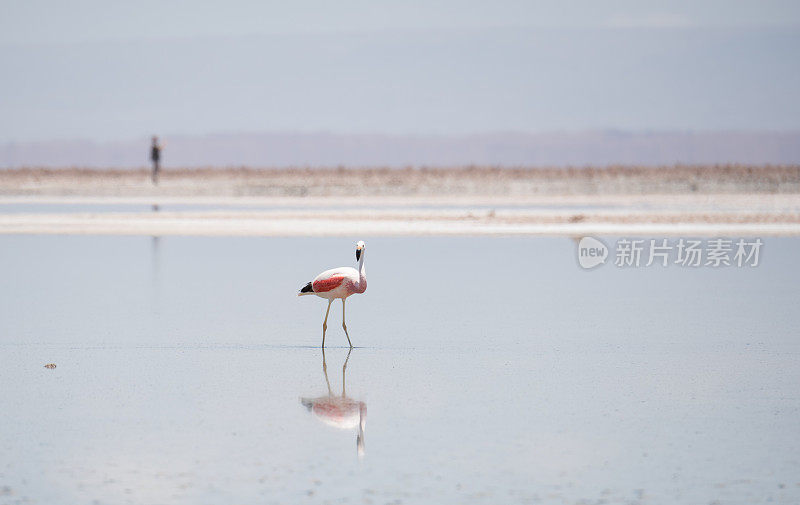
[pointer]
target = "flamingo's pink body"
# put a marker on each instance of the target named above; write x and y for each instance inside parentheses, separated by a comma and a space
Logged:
(338, 283)
(341, 412)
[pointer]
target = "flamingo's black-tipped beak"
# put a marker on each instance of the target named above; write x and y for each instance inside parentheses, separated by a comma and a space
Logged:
(359, 249)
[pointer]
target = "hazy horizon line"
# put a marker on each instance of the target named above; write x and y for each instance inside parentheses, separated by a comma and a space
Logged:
(410, 135)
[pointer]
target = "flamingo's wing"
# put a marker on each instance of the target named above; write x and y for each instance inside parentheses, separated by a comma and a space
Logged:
(330, 279)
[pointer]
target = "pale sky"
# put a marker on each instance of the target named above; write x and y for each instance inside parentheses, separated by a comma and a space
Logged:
(104, 70)
(48, 21)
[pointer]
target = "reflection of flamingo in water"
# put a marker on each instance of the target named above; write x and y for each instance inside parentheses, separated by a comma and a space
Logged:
(339, 411)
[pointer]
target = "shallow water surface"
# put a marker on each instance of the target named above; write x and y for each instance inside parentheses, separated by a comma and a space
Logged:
(487, 370)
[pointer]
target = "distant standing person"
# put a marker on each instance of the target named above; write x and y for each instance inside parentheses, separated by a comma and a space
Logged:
(155, 157)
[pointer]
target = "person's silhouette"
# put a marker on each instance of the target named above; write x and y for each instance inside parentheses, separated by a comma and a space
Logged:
(155, 157)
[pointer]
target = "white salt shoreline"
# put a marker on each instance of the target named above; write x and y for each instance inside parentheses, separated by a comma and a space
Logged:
(278, 225)
(549, 215)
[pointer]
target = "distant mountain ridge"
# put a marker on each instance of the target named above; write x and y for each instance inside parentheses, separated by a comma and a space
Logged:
(596, 148)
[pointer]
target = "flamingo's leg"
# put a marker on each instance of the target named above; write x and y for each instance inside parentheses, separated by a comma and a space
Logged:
(345, 326)
(325, 323)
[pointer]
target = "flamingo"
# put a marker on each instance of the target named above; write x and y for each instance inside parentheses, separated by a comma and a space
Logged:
(338, 283)
(341, 412)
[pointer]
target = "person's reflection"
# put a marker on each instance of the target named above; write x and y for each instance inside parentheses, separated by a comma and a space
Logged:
(155, 242)
(156, 254)
(339, 411)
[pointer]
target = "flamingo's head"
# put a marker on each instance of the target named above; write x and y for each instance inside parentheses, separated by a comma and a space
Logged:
(360, 249)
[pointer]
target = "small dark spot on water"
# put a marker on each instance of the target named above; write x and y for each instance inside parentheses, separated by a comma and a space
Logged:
(50, 366)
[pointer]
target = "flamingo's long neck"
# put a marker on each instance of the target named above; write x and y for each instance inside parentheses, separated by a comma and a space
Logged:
(362, 273)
